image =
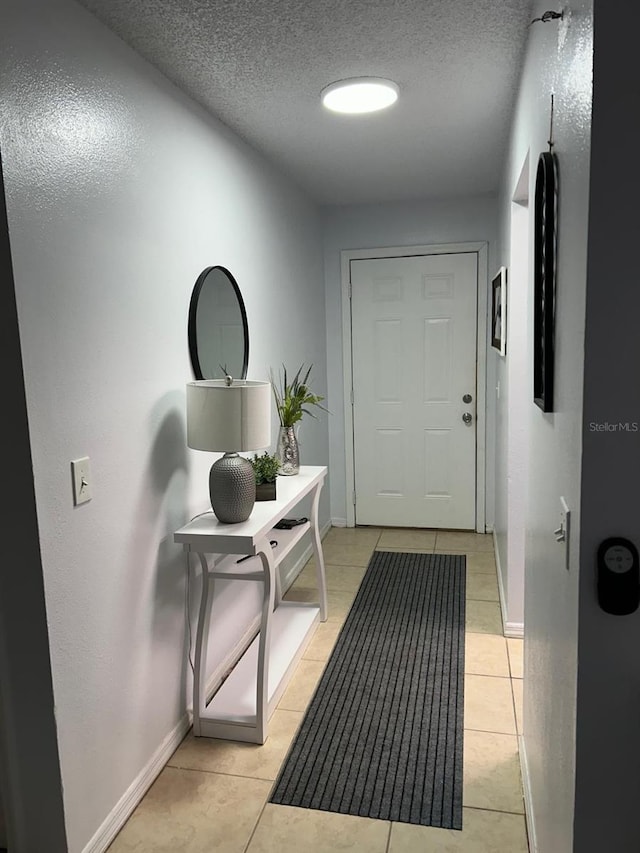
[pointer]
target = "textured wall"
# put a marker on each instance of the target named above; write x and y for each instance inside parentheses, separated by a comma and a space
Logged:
(407, 224)
(558, 61)
(120, 191)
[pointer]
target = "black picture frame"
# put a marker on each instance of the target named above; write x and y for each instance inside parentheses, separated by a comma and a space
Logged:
(499, 311)
(544, 280)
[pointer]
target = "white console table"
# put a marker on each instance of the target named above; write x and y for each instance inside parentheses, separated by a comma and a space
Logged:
(241, 708)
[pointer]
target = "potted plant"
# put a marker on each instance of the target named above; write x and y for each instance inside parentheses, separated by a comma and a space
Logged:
(293, 398)
(266, 469)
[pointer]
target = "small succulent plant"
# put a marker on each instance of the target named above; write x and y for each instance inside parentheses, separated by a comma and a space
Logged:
(266, 467)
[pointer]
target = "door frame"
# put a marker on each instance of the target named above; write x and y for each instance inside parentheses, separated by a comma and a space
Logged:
(349, 255)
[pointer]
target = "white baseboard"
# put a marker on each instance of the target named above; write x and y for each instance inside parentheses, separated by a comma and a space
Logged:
(123, 809)
(503, 600)
(510, 629)
(528, 800)
(338, 522)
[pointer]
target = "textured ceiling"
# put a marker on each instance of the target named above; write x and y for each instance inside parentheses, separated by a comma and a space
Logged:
(259, 66)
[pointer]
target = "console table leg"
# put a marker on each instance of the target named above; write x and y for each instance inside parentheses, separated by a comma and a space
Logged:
(317, 553)
(262, 680)
(277, 586)
(200, 662)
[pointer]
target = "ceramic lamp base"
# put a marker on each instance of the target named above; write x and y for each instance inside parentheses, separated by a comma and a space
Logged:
(232, 488)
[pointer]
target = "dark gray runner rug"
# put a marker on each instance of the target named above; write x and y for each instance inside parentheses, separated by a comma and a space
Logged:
(382, 736)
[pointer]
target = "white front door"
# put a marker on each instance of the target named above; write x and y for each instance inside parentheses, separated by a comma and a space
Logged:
(414, 359)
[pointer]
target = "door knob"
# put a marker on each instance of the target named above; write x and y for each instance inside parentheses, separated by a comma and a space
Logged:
(467, 398)
(467, 418)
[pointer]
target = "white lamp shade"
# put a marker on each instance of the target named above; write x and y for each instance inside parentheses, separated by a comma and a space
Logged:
(228, 418)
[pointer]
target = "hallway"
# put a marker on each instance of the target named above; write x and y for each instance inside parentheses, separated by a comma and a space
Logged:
(212, 795)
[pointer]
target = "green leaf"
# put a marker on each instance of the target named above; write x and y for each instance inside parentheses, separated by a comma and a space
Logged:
(293, 396)
(265, 467)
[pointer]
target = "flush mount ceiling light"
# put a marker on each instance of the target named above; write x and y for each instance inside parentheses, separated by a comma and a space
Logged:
(359, 95)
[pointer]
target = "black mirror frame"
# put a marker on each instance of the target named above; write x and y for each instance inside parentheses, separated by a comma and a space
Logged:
(192, 330)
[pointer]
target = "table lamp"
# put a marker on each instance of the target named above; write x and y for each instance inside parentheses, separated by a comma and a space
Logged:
(227, 415)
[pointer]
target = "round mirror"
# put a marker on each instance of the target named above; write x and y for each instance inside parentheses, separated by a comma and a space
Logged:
(218, 331)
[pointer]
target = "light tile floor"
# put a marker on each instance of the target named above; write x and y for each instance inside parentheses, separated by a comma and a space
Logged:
(212, 795)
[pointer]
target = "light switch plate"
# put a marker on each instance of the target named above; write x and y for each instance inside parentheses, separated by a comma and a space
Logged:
(81, 475)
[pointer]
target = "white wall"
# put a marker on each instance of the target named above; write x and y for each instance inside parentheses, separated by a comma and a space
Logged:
(120, 191)
(558, 61)
(399, 224)
(520, 381)
(511, 396)
(608, 733)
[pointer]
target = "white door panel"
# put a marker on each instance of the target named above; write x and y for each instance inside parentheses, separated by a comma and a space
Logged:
(414, 357)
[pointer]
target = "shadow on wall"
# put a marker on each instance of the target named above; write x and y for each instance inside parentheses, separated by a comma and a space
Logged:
(152, 594)
(169, 470)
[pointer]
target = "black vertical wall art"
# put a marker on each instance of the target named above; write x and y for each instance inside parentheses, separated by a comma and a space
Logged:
(499, 311)
(544, 277)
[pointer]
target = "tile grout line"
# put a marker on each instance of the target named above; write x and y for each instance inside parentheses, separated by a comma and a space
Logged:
(488, 731)
(388, 847)
(491, 731)
(219, 773)
(496, 811)
(490, 675)
(515, 712)
(253, 831)
(517, 677)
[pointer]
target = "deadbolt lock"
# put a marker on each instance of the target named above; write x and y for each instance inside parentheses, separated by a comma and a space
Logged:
(467, 398)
